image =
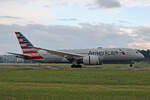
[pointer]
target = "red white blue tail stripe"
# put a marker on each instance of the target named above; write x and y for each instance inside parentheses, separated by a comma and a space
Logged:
(27, 47)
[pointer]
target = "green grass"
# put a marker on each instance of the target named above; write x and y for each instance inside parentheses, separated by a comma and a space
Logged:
(74, 84)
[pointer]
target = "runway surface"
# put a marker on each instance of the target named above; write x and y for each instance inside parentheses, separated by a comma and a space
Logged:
(39, 66)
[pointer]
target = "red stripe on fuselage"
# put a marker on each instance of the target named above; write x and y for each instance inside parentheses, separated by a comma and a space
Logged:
(33, 57)
(29, 52)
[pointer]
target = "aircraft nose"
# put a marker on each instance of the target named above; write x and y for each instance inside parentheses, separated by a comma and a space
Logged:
(141, 56)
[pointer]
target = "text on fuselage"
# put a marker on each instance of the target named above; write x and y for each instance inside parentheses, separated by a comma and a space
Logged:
(103, 53)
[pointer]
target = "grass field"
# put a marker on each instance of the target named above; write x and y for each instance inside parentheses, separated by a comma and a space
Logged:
(74, 84)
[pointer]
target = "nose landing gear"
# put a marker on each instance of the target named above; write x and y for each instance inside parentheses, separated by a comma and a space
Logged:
(132, 64)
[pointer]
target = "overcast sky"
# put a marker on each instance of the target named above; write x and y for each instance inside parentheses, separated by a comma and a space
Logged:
(69, 24)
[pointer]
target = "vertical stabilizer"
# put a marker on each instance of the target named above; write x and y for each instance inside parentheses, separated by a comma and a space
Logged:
(27, 46)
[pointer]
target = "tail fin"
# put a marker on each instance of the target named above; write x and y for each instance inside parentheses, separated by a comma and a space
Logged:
(25, 44)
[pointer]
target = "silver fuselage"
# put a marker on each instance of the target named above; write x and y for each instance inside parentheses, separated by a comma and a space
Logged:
(108, 54)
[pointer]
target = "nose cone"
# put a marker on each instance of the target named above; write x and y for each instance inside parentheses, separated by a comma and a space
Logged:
(141, 56)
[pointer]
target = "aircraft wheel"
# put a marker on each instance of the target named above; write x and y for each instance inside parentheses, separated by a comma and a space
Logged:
(131, 65)
(79, 66)
(76, 66)
(73, 66)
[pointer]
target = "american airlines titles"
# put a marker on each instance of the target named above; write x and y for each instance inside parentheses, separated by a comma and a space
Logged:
(103, 53)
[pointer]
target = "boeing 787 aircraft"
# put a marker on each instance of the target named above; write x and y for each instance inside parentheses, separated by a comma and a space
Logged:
(76, 56)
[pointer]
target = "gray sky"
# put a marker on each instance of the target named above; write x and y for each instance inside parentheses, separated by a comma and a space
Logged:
(65, 24)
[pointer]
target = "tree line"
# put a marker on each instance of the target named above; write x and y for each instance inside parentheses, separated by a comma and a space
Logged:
(146, 54)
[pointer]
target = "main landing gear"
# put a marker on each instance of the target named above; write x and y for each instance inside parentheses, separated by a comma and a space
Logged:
(76, 63)
(76, 66)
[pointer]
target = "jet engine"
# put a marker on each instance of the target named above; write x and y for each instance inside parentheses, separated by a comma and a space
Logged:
(92, 60)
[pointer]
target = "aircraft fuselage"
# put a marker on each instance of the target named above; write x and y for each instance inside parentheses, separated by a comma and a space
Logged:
(108, 54)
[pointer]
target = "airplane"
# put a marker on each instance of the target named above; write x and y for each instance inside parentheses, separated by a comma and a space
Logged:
(94, 56)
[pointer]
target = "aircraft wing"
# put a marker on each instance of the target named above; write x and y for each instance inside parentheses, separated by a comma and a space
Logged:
(18, 55)
(61, 53)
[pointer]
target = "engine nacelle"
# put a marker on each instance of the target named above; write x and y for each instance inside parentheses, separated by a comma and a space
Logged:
(92, 60)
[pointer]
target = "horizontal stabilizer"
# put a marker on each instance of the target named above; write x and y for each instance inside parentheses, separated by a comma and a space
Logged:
(18, 55)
